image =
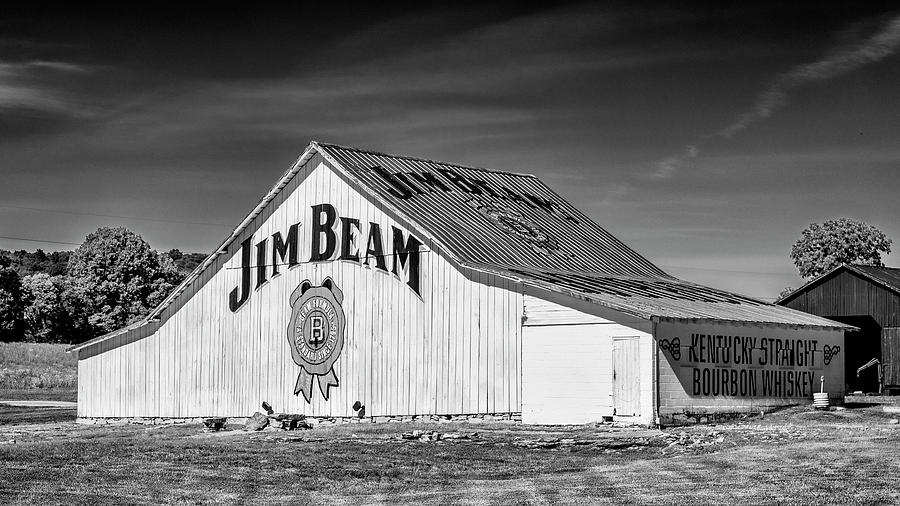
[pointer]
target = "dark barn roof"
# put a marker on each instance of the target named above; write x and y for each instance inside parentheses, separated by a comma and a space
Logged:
(886, 277)
(851, 290)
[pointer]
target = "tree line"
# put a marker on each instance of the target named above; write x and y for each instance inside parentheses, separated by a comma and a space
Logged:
(112, 279)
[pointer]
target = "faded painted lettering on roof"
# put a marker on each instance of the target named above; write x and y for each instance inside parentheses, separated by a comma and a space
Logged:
(407, 185)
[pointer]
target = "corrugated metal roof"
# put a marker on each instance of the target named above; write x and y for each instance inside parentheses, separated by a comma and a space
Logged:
(515, 225)
(499, 218)
(666, 298)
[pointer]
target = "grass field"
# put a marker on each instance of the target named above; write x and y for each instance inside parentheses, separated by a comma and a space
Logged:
(797, 456)
(37, 371)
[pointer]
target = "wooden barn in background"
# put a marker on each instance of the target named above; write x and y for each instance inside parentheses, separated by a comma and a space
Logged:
(373, 286)
(866, 297)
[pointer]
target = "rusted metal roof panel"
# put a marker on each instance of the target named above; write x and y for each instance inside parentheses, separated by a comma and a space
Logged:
(515, 225)
(489, 217)
(666, 298)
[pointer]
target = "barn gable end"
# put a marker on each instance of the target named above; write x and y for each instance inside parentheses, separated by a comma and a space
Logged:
(200, 358)
(869, 298)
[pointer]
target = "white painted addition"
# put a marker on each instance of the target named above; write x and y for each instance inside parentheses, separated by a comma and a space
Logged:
(567, 366)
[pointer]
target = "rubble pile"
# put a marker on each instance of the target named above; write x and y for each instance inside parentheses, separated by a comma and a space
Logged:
(430, 435)
(675, 441)
(606, 443)
(283, 421)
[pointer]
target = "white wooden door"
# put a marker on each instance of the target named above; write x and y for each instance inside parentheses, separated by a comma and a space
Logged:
(565, 374)
(626, 382)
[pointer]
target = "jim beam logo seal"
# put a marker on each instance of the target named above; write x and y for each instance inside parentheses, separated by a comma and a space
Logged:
(316, 335)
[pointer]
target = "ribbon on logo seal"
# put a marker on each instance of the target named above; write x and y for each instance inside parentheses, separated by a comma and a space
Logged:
(320, 369)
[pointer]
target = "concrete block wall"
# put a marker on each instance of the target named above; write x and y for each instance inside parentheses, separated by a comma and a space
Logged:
(678, 403)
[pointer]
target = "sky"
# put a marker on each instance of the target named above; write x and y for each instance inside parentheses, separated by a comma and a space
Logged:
(704, 136)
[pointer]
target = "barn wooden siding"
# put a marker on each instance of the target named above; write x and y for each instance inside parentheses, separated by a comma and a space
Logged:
(454, 350)
(890, 355)
(848, 293)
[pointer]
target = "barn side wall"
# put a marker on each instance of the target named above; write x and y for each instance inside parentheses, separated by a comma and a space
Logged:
(847, 294)
(709, 370)
(890, 355)
(452, 348)
(575, 369)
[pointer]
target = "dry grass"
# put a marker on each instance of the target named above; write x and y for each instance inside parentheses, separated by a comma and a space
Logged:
(29, 366)
(794, 457)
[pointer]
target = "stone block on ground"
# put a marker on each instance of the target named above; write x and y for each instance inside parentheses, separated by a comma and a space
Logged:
(258, 421)
(214, 423)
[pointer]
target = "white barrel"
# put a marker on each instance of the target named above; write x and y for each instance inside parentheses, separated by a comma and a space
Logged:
(820, 400)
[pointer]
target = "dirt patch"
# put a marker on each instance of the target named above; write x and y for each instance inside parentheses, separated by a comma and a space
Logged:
(797, 455)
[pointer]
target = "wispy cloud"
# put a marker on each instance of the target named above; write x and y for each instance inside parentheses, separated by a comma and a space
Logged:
(839, 61)
(33, 85)
(666, 167)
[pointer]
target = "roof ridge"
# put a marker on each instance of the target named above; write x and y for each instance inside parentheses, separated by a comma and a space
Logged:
(429, 160)
(866, 271)
(881, 267)
(858, 269)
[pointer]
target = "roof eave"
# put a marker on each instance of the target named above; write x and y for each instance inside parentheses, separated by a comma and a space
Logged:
(109, 335)
(835, 326)
(822, 277)
(630, 311)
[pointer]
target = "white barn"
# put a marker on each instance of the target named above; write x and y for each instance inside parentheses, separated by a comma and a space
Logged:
(421, 288)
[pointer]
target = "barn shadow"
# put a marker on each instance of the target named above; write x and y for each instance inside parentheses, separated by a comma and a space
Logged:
(859, 405)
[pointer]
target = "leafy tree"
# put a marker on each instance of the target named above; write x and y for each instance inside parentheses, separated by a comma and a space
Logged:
(43, 312)
(26, 263)
(77, 306)
(785, 292)
(12, 324)
(55, 310)
(824, 246)
(121, 276)
(58, 262)
(185, 262)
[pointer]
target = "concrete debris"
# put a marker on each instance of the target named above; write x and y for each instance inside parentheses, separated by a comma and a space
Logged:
(430, 435)
(215, 424)
(276, 421)
(606, 443)
(288, 421)
(258, 421)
